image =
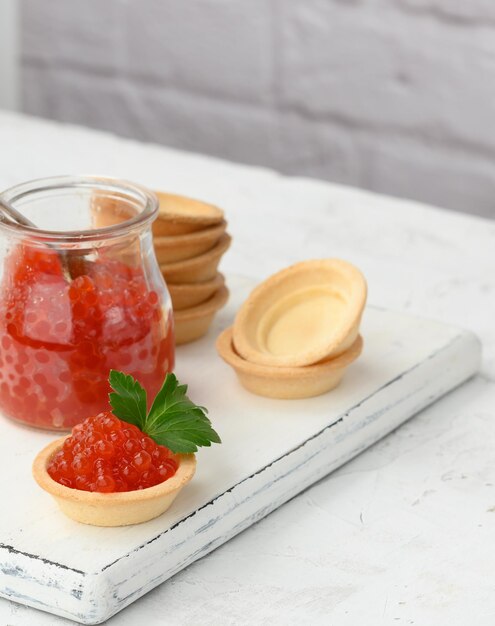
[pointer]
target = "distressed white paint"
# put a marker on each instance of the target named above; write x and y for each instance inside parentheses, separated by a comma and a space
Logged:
(403, 532)
(9, 54)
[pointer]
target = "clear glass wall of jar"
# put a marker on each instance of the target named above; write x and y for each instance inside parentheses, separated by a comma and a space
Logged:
(80, 295)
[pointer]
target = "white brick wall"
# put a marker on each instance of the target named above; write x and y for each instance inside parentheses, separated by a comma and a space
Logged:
(392, 95)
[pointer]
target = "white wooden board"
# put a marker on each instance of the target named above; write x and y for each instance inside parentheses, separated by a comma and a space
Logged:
(272, 450)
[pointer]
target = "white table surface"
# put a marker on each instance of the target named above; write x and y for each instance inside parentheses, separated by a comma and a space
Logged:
(405, 533)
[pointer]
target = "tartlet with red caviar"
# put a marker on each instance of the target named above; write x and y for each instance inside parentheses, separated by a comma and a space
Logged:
(128, 466)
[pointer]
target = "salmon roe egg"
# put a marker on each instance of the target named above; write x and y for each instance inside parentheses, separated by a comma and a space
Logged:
(107, 455)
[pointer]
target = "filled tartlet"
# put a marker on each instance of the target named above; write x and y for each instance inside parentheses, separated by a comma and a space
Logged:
(126, 466)
(108, 455)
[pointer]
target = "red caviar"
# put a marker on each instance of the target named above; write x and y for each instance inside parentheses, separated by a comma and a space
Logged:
(107, 455)
(60, 338)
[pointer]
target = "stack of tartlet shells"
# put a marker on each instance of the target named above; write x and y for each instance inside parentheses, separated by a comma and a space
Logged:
(190, 239)
(298, 331)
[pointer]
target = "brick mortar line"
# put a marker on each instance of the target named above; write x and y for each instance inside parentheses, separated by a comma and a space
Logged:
(432, 12)
(423, 136)
(443, 17)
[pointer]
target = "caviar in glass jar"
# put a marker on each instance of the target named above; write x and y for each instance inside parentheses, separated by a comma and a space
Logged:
(74, 305)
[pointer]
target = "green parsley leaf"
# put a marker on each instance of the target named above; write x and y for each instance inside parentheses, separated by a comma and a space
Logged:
(173, 421)
(129, 400)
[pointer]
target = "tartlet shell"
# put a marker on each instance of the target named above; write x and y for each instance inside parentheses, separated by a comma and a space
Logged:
(187, 295)
(321, 276)
(181, 247)
(180, 215)
(198, 269)
(191, 324)
(112, 509)
(287, 382)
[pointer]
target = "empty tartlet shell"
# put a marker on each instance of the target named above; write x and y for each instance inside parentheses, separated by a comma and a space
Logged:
(193, 323)
(291, 290)
(287, 382)
(180, 215)
(112, 509)
(198, 269)
(187, 295)
(181, 247)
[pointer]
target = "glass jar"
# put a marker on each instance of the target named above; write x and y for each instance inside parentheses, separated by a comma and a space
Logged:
(80, 295)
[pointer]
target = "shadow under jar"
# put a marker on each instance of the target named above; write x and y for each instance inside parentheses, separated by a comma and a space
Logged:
(80, 295)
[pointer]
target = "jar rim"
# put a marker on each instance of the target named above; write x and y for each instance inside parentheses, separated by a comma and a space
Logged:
(97, 183)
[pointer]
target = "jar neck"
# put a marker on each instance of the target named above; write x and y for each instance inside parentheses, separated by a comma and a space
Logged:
(80, 212)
